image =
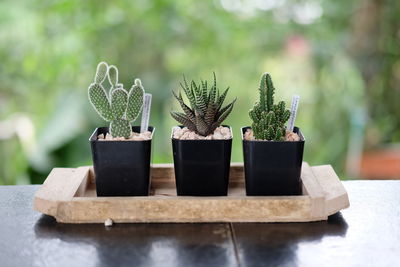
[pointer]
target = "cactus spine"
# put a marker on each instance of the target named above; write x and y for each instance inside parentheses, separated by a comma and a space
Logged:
(205, 113)
(268, 119)
(119, 106)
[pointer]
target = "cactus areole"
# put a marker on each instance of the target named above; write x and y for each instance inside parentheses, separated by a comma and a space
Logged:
(119, 106)
(268, 119)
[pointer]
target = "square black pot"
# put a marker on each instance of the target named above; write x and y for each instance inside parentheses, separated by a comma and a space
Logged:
(273, 168)
(202, 166)
(122, 168)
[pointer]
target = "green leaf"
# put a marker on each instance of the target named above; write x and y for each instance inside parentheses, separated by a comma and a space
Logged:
(184, 120)
(189, 113)
(204, 91)
(221, 98)
(213, 91)
(200, 102)
(210, 114)
(226, 113)
(229, 106)
(189, 93)
(201, 126)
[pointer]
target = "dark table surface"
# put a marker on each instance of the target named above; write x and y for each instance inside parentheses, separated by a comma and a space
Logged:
(366, 234)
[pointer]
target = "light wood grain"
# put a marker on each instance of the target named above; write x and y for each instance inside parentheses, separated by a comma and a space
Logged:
(70, 196)
(61, 185)
(312, 188)
(336, 197)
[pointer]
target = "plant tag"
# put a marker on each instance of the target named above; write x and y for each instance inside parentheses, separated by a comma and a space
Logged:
(293, 113)
(145, 113)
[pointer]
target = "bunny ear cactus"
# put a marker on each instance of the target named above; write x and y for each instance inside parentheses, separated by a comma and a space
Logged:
(268, 119)
(120, 107)
(205, 112)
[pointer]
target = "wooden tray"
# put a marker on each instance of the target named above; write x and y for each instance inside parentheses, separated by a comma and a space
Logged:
(69, 195)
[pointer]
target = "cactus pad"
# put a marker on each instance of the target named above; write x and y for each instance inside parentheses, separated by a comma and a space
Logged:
(120, 128)
(135, 101)
(101, 72)
(113, 76)
(119, 101)
(98, 98)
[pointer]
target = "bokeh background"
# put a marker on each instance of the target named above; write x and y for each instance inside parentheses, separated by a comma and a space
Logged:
(342, 57)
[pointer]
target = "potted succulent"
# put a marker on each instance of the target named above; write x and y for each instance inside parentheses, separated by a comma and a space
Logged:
(121, 153)
(201, 146)
(272, 153)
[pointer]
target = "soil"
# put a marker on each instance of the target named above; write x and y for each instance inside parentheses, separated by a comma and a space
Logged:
(221, 133)
(134, 137)
(290, 136)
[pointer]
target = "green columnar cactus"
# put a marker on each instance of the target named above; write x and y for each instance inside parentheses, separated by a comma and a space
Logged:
(205, 113)
(268, 119)
(119, 106)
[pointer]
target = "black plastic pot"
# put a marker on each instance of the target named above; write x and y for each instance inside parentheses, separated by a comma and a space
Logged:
(273, 168)
(122, 168)
(202, 166)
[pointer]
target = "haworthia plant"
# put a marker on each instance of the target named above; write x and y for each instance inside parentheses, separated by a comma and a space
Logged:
(268, 119)
(205, 112)
(118, 106)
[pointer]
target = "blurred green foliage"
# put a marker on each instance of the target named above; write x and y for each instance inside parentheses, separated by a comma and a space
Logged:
(340, 56)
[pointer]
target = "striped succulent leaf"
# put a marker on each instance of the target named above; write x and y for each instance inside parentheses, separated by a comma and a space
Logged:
(221, 98)
(189, 93)
(188, 112)
(184, 120)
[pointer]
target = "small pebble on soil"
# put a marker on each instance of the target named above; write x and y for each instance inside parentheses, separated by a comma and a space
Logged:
(290, 136)
(221, 133)
(134, 137)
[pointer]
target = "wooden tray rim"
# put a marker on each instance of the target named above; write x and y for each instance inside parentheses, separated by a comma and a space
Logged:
(62, 202)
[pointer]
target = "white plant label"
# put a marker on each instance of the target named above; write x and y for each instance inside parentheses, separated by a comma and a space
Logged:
(145, 113)
(293, 113)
